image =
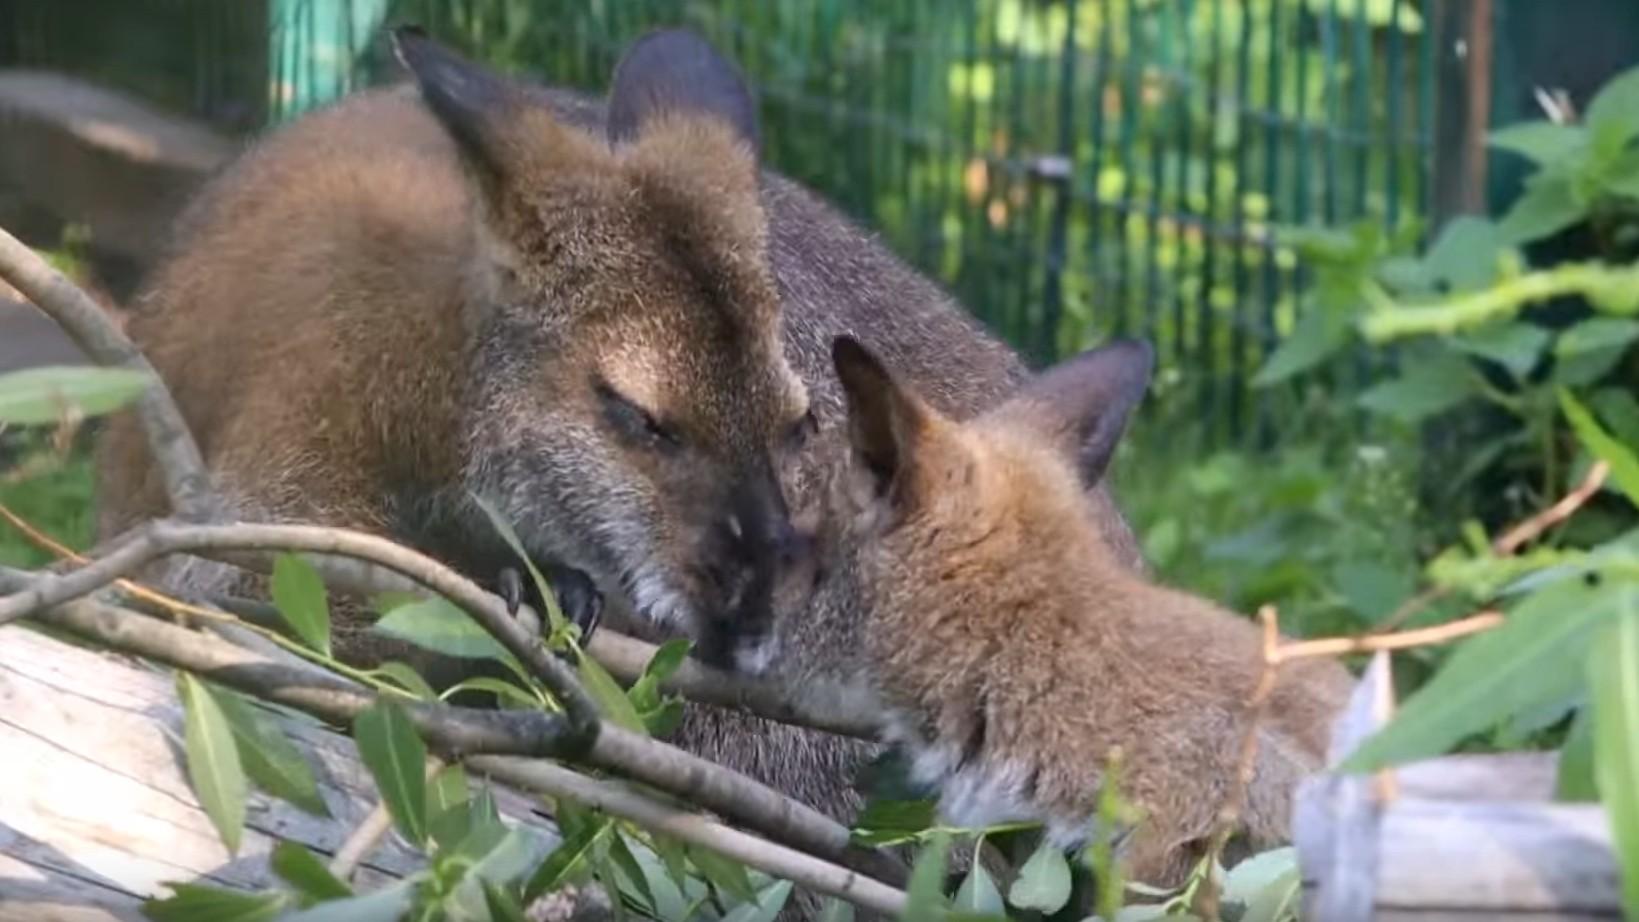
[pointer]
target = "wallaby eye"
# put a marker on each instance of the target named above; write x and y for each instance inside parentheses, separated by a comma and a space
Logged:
(800, 431)
(634, 420)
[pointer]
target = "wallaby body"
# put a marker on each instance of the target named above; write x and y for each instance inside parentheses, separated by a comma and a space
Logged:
(319, 327)
(966, 592)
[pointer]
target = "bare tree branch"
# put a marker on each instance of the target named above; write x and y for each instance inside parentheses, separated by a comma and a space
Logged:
(810, 872)
(465, 730)
(186, 481)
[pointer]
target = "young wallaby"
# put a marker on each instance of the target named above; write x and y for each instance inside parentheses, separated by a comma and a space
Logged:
(399, 301)
(963, 589)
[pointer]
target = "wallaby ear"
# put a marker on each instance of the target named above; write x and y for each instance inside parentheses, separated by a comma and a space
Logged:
(1086, 401)
(885, 421)
(677, 71)
(474, 104)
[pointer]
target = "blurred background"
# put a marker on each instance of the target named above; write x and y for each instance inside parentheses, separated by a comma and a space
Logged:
(1219, 176)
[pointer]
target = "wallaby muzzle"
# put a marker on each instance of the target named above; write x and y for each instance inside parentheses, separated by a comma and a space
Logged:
(749, 548)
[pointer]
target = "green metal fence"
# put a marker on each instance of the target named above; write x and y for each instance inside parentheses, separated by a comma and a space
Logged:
(1071, 169)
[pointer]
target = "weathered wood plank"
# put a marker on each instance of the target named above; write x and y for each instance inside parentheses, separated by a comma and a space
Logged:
(95, 809)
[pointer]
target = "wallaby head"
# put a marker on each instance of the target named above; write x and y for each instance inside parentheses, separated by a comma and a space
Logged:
(629, 375)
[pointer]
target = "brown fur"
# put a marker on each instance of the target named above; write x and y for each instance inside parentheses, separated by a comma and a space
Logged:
(1009, 649)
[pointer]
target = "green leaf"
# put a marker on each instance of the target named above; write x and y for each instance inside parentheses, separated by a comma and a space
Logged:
(554, 613)
(1542, 142)
(767, 905)
(1371, 589)
(978, 893)
(437, 624)
(1516, 346)
(569, 857)
(725, 874)
(1316, 337)
(1278, 901)
(1547, 207)
(504, 691)
(449, 810)
(502, 905)
(298, 594)
(1464, 256)
(1619, 409)
(300, 868)
(836, 910)
(608, 694)
(1430, 385)
(41, 396)
(893, 822)
(670, 655)
(637, 883)
(196, 903)
(1575, 779)
(1530, 659)
(269, 757)
(389, 904)
(925, 892)
(397, 759)
(1043, 883)
(1255, 874)
(213, 760)
(407, 678)
(492, 853)
(1624, 463)
(1597, 334)
(1617, 104)
(1613, 674)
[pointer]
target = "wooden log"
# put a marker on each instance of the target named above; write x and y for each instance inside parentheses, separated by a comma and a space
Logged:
(1459, 837)
(96, 813)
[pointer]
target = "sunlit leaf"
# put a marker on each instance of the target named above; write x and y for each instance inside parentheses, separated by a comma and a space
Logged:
(1624, 463)
(1613, 674)
(1532, 658)
(298, 594)
(213, 760)
(1044, 882)
(196, 903)
(300, 868)
(610, 697)
(269, 757)
(397, 759)
(42, 396)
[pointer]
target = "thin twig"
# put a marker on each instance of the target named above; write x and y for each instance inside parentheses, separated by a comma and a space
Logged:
(458, 731)
(1229, 813)
(779, 861)
(369, 832)
(1510, 541)
(1401, 640)
(175, 452)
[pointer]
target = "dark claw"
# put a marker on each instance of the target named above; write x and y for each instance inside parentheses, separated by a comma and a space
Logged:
(579, 598)
(510, 586)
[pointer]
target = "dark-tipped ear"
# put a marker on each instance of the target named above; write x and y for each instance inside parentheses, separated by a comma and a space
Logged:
(677, 71)
(472, 102)
(885, 421)
(1086, 401)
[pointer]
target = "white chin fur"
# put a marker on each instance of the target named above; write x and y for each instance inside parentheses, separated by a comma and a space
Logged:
(758, 658)
(654, 598)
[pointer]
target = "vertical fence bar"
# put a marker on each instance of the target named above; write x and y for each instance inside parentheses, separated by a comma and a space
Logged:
(1047, 345)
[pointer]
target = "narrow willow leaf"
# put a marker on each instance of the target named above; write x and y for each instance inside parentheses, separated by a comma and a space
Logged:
(300, 868)
(213, 760)
(397, 759)
(837, 911)
(195, 903)
(1043, 883)
(1531, 659)
(496, 855)
(405, 677)
(670, 655)
(505, 691)
(554, 612)
(1624, 463)
(437, 624)
(767, 905)
(725, 874)
(502, 905)
(270, 759)
(636, 882)
(41, 396)
(978, 893)
(298, 594)
(610, 697)
(1575, 780)
(389, 904)
(566, 860)
(1614, 675)
(924, 894)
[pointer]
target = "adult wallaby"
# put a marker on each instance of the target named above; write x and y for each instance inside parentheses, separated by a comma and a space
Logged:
(575, 310)
(964, 591)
